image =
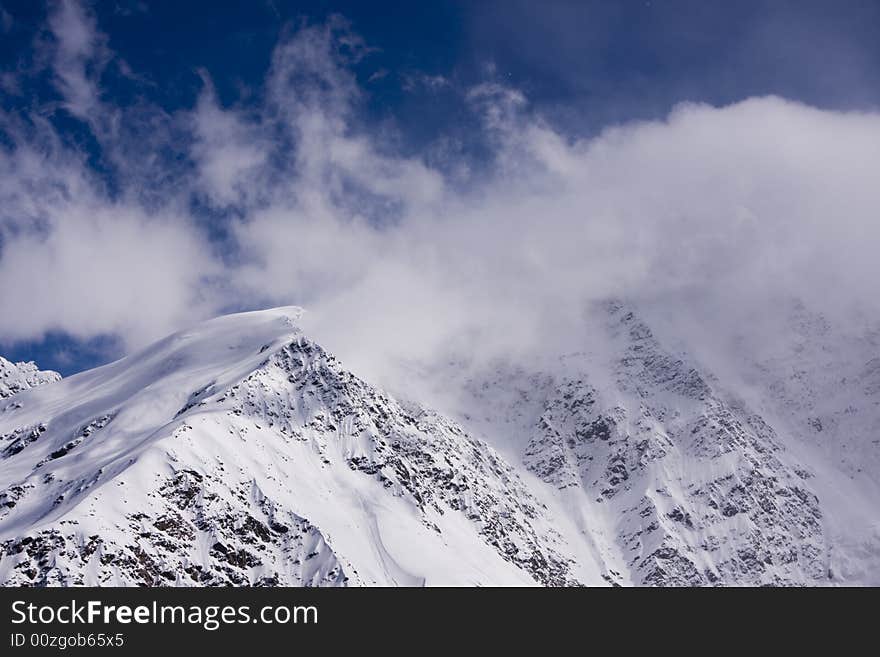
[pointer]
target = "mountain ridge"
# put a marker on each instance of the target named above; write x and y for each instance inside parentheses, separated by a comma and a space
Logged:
(241, 452)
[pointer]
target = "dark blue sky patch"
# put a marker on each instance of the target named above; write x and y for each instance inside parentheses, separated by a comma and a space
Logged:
(64, 353)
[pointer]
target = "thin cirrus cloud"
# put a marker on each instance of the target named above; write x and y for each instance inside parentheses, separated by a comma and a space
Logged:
(713, 214)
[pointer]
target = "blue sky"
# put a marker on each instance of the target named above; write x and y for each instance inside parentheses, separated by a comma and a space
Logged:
(173, 121)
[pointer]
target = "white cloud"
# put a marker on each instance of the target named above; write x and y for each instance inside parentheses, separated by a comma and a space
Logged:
(79, 59)
(416, 81)
(715, 214)
(86, 265)
(228, 151)
(712, 214)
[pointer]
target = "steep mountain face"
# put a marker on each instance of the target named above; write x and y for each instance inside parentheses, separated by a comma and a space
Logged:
(822, 389)
(15, 377)
(242, 453)
(825, 383)
(700, 490)
(679, 480)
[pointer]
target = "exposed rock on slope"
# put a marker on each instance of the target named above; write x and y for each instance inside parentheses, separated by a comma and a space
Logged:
(15, 377)
(699, 491)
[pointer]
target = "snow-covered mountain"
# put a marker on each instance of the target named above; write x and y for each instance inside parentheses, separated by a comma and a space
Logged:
(241, 452)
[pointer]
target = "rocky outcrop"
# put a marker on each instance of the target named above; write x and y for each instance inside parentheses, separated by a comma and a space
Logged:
(15, 377)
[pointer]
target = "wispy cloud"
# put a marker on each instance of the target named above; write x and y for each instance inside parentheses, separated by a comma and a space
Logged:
(80, 56)
(6, 20)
